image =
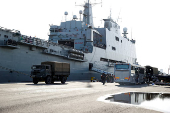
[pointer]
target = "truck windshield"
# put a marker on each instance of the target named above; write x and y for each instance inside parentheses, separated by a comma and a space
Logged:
(122, 66)
(38, 67)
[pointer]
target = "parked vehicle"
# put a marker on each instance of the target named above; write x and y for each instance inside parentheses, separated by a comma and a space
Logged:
(151, 73)
(153, 76)
(129, 73)
(50, 71)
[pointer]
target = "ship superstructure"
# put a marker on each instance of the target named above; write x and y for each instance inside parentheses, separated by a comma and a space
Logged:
(76, 42)
(82, 36)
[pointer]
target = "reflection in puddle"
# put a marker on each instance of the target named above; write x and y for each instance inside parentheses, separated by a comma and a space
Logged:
(155, 101)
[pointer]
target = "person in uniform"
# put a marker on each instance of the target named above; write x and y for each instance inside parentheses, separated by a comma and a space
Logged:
(103, 77)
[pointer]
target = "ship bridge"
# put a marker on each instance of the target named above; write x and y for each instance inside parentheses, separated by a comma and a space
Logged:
(75, 34)
(80, 35)
(109, 23)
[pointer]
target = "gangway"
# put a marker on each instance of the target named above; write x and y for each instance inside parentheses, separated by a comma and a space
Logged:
(98, 70)
(11, 70)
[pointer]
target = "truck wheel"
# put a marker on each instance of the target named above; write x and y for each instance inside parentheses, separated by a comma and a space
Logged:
(111, 80)
(52, 81)
(35, 81)
(48, 80)
(63, 80)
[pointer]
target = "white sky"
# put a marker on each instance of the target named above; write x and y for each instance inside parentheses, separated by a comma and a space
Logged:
(148, 19)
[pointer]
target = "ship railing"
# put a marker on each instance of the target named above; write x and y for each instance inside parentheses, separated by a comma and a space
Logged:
(65, 54)
(61, 45)
(34, 41)
(54, 52)
(50, 43)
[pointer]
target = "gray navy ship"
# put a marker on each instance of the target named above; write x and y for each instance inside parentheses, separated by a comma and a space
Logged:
(89, 50)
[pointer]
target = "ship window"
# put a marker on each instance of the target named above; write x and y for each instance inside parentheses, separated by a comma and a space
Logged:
(5, 36)
(117, 39)
(121, 41)
(113, 48)
(56, 30)
(96, 38)
(51, 30)
(106, 24)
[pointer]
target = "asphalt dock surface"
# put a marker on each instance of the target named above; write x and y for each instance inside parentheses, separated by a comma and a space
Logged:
(72, 97)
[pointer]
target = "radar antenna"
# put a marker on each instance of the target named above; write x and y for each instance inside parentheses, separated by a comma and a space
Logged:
(65, 13)
(110, 13)
(91, 3)
(125, 32)
(131, 33)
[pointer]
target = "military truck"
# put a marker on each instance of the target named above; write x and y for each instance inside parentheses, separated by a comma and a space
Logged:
(151, 73)
(154, 77)
(50, 71)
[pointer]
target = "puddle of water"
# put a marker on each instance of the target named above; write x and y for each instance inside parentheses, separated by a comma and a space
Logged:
(155, 101)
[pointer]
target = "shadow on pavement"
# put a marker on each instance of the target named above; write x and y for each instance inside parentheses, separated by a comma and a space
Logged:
(40, 84)
(89, 85)
(133, 85)
(166, 87)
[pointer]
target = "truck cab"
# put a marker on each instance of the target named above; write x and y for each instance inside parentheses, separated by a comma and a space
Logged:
(40, 71)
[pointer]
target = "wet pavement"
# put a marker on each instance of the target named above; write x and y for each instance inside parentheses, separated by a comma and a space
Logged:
(79, 97)
(155, 101)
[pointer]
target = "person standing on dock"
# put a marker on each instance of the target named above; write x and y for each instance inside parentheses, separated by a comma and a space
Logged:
(103, 77)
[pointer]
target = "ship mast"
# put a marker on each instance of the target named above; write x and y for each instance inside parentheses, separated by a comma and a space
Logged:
(88, 10)
(88, 17)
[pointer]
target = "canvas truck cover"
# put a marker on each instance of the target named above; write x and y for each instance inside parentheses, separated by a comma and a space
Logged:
(66, 68)
(58, 67)
(155, 70)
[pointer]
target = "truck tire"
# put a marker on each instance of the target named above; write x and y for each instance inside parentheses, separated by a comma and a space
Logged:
(63, 80)
(48, 80)
(112, 80)
(35, 81)
(52, 81)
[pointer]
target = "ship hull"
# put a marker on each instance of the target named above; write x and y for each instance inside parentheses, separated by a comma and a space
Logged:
(16, 63)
